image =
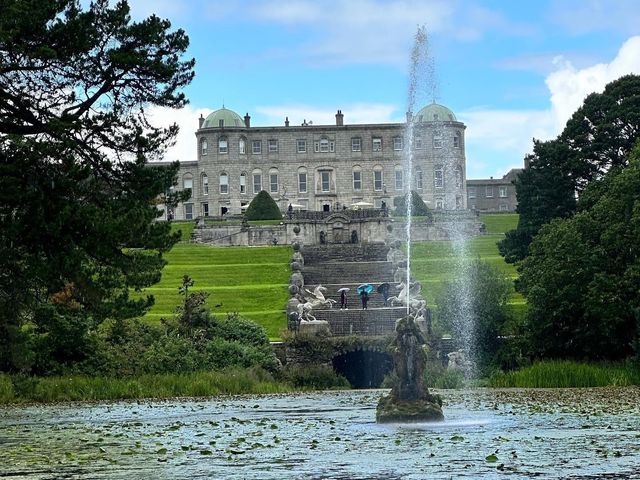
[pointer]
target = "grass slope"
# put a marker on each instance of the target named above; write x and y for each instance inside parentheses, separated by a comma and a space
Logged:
(252, 280)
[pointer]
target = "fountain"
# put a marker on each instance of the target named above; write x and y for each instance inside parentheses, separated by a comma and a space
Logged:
(410, 400)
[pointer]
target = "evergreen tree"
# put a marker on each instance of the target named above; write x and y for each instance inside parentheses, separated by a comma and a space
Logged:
(263, 207)
(418, 207)
(77, 198)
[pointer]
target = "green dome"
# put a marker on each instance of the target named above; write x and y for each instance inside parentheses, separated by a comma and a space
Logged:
(434, 113)
(229, 119)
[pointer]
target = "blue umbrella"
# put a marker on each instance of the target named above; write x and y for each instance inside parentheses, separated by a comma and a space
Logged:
(365, 287)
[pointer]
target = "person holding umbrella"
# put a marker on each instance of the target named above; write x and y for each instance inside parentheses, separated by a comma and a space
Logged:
(364, 290)
(343, 298)
(383, 288)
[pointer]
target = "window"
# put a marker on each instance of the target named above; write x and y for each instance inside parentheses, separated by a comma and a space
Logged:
(302, 182)
(436, 117)
(205, 209)
(439, 204)
(325, 179)
(437, 141)
(419, 179)
(397, 143)
(377, 180)
(472, 192)
(356, 144)
(224, 183)
(205, 184)
(302, 145)
(243, 183)
(256, 147)
(273, 182)
(473, 206)
(242, 144)
(438, 177)
(324, 146)
(458, 174)
(376, 144)
(503, 207)
(187, 182)
(489, 191)
(257, 182)
(188, 211)
(417, 142)
(223, 145)
(503, 192)
(457, 140)
(204, 146)
(399, 181)
(273, 145)
(357, 180)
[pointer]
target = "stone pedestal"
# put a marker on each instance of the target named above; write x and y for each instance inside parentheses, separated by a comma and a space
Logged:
(313, 327)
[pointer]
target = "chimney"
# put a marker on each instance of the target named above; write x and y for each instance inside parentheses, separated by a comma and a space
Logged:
(200, 121)
(286, 122)
(527, 161)
(247, 120)
(339, 118)
(409, 116)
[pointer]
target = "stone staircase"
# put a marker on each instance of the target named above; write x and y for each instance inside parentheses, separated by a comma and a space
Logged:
(337, 266)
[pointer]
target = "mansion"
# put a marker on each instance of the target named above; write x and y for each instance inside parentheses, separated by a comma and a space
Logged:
(323, 167)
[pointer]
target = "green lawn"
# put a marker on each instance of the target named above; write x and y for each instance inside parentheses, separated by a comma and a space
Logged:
(253, 280)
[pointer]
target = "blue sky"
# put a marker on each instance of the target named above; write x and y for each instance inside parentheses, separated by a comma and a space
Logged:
(511, 70)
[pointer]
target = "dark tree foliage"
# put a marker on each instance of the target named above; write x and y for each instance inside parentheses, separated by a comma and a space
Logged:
(598, 137)
(77, 198)
(582, 274)
(263, 207)
(418, 207)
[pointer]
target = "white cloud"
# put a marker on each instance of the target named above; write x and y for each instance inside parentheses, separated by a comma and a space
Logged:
(185, 148)
(494, 132)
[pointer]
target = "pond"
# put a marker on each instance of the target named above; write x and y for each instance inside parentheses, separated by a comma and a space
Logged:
(550, 433)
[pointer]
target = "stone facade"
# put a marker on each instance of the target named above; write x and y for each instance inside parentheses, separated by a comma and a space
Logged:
(322, 167)
(493, 194)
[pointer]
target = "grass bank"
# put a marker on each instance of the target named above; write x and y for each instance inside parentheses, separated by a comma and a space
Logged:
(568, 374)
(81, 388)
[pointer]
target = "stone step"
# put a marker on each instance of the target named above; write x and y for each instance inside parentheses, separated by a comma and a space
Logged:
(353, 299)
(374, 321)
(319, 254)
(351, 272)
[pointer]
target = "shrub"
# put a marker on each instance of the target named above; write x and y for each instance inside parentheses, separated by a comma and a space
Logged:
(221, 353)
(263, 207)
(7, 393)
(239, 329)
(436, 375)
(172, 354)
(316, 377)
(418, 207)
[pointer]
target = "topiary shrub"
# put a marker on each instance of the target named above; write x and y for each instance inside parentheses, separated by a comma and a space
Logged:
(263, 207)
(418, 207)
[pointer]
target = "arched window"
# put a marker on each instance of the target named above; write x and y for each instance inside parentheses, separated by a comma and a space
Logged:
(204, 146)
(224, 183)
(458, 175)
(398, 177)
(223, 145)
(205, 184)
(273, 181)
(243, 182)
(302, 180)
(242, 145)
(357, 178)
(378, 178)
(438, 176)
(187, 182)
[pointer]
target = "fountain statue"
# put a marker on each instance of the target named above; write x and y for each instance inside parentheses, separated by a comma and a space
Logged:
(409, 400)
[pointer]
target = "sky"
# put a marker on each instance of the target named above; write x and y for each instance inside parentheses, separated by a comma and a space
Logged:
(510, 70)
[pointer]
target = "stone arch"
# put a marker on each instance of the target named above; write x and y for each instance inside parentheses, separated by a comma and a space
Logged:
(363, 366)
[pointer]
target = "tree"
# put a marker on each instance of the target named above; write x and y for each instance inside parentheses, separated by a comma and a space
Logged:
(263, 207)
(77, 198)
(598, 137)
(418, 207)
(582, 274)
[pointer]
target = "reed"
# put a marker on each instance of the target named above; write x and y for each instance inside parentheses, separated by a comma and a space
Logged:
(568, 374)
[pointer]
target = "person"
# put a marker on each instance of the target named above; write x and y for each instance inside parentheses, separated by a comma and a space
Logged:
(343, 299)
(364, 296)
(384, 290)
(290, 211)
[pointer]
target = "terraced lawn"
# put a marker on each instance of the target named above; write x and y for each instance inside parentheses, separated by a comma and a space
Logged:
(252, 280)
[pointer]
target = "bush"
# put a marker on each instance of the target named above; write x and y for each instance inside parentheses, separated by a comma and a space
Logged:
(263, 207)
(240, 329)
(418, 207)
(436, 375)
(221, 353)
(173, 354)
(316, 377)
(7, 393)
